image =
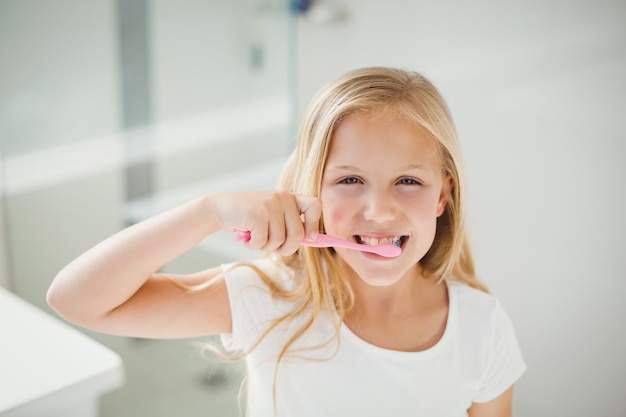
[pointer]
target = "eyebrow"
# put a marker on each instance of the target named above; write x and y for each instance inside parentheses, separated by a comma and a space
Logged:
(409, 167)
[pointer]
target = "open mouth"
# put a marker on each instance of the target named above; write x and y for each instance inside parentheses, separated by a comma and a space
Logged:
(377, 241)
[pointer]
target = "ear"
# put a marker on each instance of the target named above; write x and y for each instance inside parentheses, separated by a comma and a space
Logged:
(446, 192)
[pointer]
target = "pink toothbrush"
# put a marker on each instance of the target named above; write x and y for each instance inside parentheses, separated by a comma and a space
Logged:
(326, 241)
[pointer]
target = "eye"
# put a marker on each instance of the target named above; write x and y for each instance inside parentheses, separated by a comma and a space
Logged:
(409, 181)
(349, 180)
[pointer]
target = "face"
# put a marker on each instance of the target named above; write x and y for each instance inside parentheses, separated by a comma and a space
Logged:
(382, 184)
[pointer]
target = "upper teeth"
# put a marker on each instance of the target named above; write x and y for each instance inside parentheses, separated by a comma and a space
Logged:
(374, 241)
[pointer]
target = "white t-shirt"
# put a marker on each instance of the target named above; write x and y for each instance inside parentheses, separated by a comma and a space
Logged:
(477, 358)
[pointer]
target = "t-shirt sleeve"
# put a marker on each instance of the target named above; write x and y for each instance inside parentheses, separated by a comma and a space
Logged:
(252, 306)
(505, 363)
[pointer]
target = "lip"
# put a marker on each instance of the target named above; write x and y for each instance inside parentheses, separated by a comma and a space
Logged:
(375, 257)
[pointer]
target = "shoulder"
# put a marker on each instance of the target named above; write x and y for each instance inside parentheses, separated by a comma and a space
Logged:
(472, 301)
(488, 337)
(256, 288)
(479, 314)
(252, 292)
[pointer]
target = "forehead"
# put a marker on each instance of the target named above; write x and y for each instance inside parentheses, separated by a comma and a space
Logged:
(382, 137)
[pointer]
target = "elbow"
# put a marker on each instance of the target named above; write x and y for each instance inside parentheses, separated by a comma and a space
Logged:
(55, 297)
(75, 303)
(59, 298)
(61, 303)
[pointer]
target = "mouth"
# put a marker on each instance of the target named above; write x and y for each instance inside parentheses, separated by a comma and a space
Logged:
(377, 241)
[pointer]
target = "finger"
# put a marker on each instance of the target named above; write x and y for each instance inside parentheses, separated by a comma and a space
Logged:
(258, 224)
(294, 229)
(276, 232)
(258, 237)
(311, 210)
(278, 209)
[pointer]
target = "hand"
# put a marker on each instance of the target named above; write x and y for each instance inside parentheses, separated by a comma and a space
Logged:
(277, 221)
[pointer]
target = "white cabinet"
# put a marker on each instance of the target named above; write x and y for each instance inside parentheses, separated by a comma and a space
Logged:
(48, 368)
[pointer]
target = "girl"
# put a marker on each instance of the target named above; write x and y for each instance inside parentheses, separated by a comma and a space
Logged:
(328, 332)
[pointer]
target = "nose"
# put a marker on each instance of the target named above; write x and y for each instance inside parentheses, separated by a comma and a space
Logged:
(379, 206)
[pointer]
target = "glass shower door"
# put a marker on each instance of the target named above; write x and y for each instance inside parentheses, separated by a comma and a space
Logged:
(113, 110)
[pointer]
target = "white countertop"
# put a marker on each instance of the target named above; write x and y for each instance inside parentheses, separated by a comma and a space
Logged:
(48, 368)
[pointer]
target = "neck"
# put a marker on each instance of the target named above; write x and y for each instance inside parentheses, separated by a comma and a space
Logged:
(410, 294)
(409, 315)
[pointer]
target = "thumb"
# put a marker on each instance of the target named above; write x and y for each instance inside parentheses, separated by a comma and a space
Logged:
(311, 210)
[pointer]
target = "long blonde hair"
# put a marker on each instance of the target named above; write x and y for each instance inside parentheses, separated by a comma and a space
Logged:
(415, 98)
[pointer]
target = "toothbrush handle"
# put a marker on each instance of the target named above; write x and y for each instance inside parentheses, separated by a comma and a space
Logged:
(324, 241)
(242, 235)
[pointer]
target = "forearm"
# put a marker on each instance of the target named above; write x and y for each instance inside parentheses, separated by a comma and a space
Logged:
(110, 273)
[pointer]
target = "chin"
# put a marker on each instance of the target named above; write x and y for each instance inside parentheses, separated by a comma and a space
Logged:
(377, 273)
(381, 276)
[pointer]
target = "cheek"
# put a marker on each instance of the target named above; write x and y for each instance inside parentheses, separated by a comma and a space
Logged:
(432, 202)
(423, 213)
(333, 217)
(428, 219)
(334, 212)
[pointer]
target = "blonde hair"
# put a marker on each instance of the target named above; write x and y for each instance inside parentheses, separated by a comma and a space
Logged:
(414, 98)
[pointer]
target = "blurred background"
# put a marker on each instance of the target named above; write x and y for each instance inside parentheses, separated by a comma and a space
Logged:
(114, 110)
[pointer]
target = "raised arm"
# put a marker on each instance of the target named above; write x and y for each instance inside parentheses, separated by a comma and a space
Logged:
(114, 287)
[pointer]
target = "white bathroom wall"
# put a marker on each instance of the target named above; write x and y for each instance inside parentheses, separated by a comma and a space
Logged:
(538, 92)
